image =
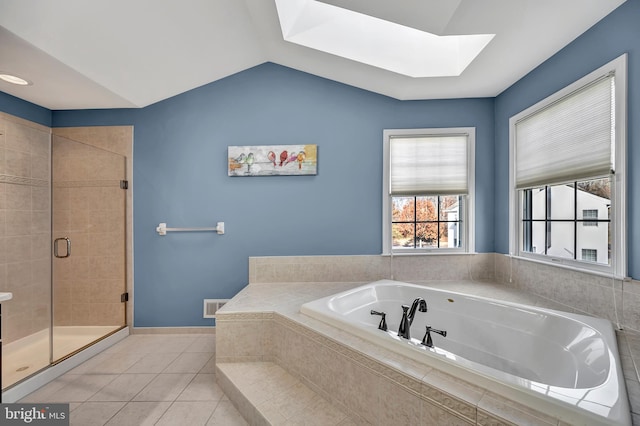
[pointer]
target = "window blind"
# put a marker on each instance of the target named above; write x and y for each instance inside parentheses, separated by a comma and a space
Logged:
(434, 165)
(569, 140)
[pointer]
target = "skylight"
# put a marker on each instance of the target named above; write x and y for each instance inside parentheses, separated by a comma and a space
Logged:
(377, 42)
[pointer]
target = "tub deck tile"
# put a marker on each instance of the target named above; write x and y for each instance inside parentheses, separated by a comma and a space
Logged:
(265, 394)
(493, 407)
(454, 394)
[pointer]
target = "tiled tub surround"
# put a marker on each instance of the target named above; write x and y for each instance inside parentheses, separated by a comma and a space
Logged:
(598, 295)
(367, 268)
(262, 323)
(372, 384)
(559, 288)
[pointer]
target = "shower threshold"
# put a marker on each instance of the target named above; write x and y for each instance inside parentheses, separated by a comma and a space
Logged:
(30, 354)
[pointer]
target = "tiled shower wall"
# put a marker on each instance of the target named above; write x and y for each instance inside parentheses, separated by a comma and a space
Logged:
(574, 291)
(24, 226)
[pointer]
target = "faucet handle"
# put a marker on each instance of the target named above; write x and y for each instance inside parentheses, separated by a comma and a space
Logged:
(427, 341)
(383, 321)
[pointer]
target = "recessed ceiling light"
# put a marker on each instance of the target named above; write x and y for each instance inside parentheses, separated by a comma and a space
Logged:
(14, 79)
(377, 42)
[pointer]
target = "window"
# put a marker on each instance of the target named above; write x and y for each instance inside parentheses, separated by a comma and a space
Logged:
(590, 214)
(590, 255)
(426, 222)
(428, 190)
(567, 174)
(558, 211)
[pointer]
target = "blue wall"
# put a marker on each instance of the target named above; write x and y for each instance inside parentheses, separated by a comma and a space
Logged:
(23, 109)
(180, 168)
(180, 177)
(616, 34)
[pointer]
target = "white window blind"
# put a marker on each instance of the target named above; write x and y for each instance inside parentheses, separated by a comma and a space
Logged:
(435, 165)
(571, 139)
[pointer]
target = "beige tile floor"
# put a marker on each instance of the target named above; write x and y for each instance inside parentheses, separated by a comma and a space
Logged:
(145, 380)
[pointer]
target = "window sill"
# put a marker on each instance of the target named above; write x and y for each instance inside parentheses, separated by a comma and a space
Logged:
(434, 252)
(562, 263)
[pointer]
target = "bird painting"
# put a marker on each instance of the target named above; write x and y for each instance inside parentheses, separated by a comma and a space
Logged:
(272, 160)
(236, 163)
(300, 157)
(240, 159)
(271, 156)
(293, 157)
(249, 160)
(284, 155)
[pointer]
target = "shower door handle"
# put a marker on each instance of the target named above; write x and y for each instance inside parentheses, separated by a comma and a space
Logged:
(55, 247)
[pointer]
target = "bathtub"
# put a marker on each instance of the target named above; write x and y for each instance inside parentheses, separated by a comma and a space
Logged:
(563, 364)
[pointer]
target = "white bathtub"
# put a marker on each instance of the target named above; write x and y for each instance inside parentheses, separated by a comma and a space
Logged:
(563, 364)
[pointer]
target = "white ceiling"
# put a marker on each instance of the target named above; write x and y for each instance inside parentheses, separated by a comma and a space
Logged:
(83, 54)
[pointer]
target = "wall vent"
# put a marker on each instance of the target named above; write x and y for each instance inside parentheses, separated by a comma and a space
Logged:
(211, 306)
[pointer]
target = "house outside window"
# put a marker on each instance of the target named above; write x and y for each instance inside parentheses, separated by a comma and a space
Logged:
(567, 174)
(559, 211)
(428, 190)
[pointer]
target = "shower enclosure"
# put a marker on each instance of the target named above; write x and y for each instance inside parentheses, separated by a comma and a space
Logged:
(63, 252)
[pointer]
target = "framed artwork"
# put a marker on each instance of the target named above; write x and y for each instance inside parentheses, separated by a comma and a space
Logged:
(273, 160)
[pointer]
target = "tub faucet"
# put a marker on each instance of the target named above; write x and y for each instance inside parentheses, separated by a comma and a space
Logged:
(408, 315)
(419, 304)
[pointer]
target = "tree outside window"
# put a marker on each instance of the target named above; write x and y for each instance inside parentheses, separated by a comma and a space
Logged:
(426, 221)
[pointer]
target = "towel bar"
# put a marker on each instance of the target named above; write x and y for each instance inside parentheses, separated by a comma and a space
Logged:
(162, 229)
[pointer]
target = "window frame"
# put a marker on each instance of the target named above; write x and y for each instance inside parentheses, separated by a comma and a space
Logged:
(467, 216)
(618, 265)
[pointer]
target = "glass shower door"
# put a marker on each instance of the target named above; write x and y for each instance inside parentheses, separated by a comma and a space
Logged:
(89, 262)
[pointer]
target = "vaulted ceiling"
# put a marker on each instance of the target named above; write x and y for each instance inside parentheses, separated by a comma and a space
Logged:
(81, 54)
